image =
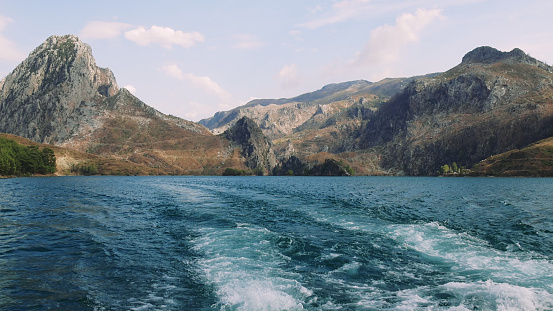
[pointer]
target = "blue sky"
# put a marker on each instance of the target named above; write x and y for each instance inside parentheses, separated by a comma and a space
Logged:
(194, 58)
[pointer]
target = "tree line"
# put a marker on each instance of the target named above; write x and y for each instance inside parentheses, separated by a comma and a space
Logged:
(452, 169)
(17, 160)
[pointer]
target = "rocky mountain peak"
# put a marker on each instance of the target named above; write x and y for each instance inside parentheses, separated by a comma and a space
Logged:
(60, 62)
(490, 55)
(49, 87)
(244, 130)
(256, 147)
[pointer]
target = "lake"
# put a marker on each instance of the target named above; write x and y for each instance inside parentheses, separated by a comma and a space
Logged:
(276, 243)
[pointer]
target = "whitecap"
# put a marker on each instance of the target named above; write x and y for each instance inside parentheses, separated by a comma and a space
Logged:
(499, 296)
(246, 270)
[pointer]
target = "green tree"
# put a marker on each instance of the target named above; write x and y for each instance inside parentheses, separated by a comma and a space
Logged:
(229, 171)
(84, 169)
(49, 161)
(454, 168)
(16, 159)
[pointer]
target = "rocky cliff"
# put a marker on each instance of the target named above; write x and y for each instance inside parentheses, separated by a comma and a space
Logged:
(42, 99)
(490, 103)
(254, 145)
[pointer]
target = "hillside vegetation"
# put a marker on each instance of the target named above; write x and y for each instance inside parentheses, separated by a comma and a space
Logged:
(16, 159)
(535, 160)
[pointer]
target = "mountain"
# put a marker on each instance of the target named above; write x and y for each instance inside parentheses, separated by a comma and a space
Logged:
(59, 96)
(281, 117)
(492, 102)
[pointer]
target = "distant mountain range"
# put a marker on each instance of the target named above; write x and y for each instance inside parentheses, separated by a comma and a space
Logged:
(492, 102)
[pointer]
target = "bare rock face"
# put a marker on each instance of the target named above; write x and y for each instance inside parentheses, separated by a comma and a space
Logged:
(58, 95)
(255, 147)
(48, 89)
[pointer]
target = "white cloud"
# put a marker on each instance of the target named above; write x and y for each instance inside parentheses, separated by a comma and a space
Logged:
(386, 41)
(164, 36)
(289, 77)
(173, 71)
(8, 49)
(201, 82)
(209, 86)
(315, 9)
(345, 10)
(103, 30)
(341, 11)
(130, 88)
(247, 42)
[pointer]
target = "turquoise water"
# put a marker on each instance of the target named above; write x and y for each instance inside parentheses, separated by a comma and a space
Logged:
(276, 243)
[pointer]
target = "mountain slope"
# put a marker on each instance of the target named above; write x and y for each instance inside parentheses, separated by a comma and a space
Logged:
(535, 160)
(67, 159)
(255, 146)
(490, 103)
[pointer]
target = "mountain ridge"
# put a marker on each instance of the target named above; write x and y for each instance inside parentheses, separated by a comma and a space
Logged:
(280, 117)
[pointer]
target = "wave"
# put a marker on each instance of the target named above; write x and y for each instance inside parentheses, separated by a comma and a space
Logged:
(246, 270)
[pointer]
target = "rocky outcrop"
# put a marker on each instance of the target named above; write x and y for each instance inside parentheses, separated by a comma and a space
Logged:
(489, 55)
(42, 99)
(292, 166)
(58, 95)
(330, 167)
(536, 160)
(255, 147)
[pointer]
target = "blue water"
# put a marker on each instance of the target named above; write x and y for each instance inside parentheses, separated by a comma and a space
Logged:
(276, 243)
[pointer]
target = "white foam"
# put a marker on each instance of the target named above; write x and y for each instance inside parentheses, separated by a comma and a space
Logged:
(469, 255)
(252, 294)
(516, 280)
(499, 296)
(245, 269)
(351, 268)
(411, 301)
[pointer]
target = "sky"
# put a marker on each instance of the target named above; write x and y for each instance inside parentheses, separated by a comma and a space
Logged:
(194, 58)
